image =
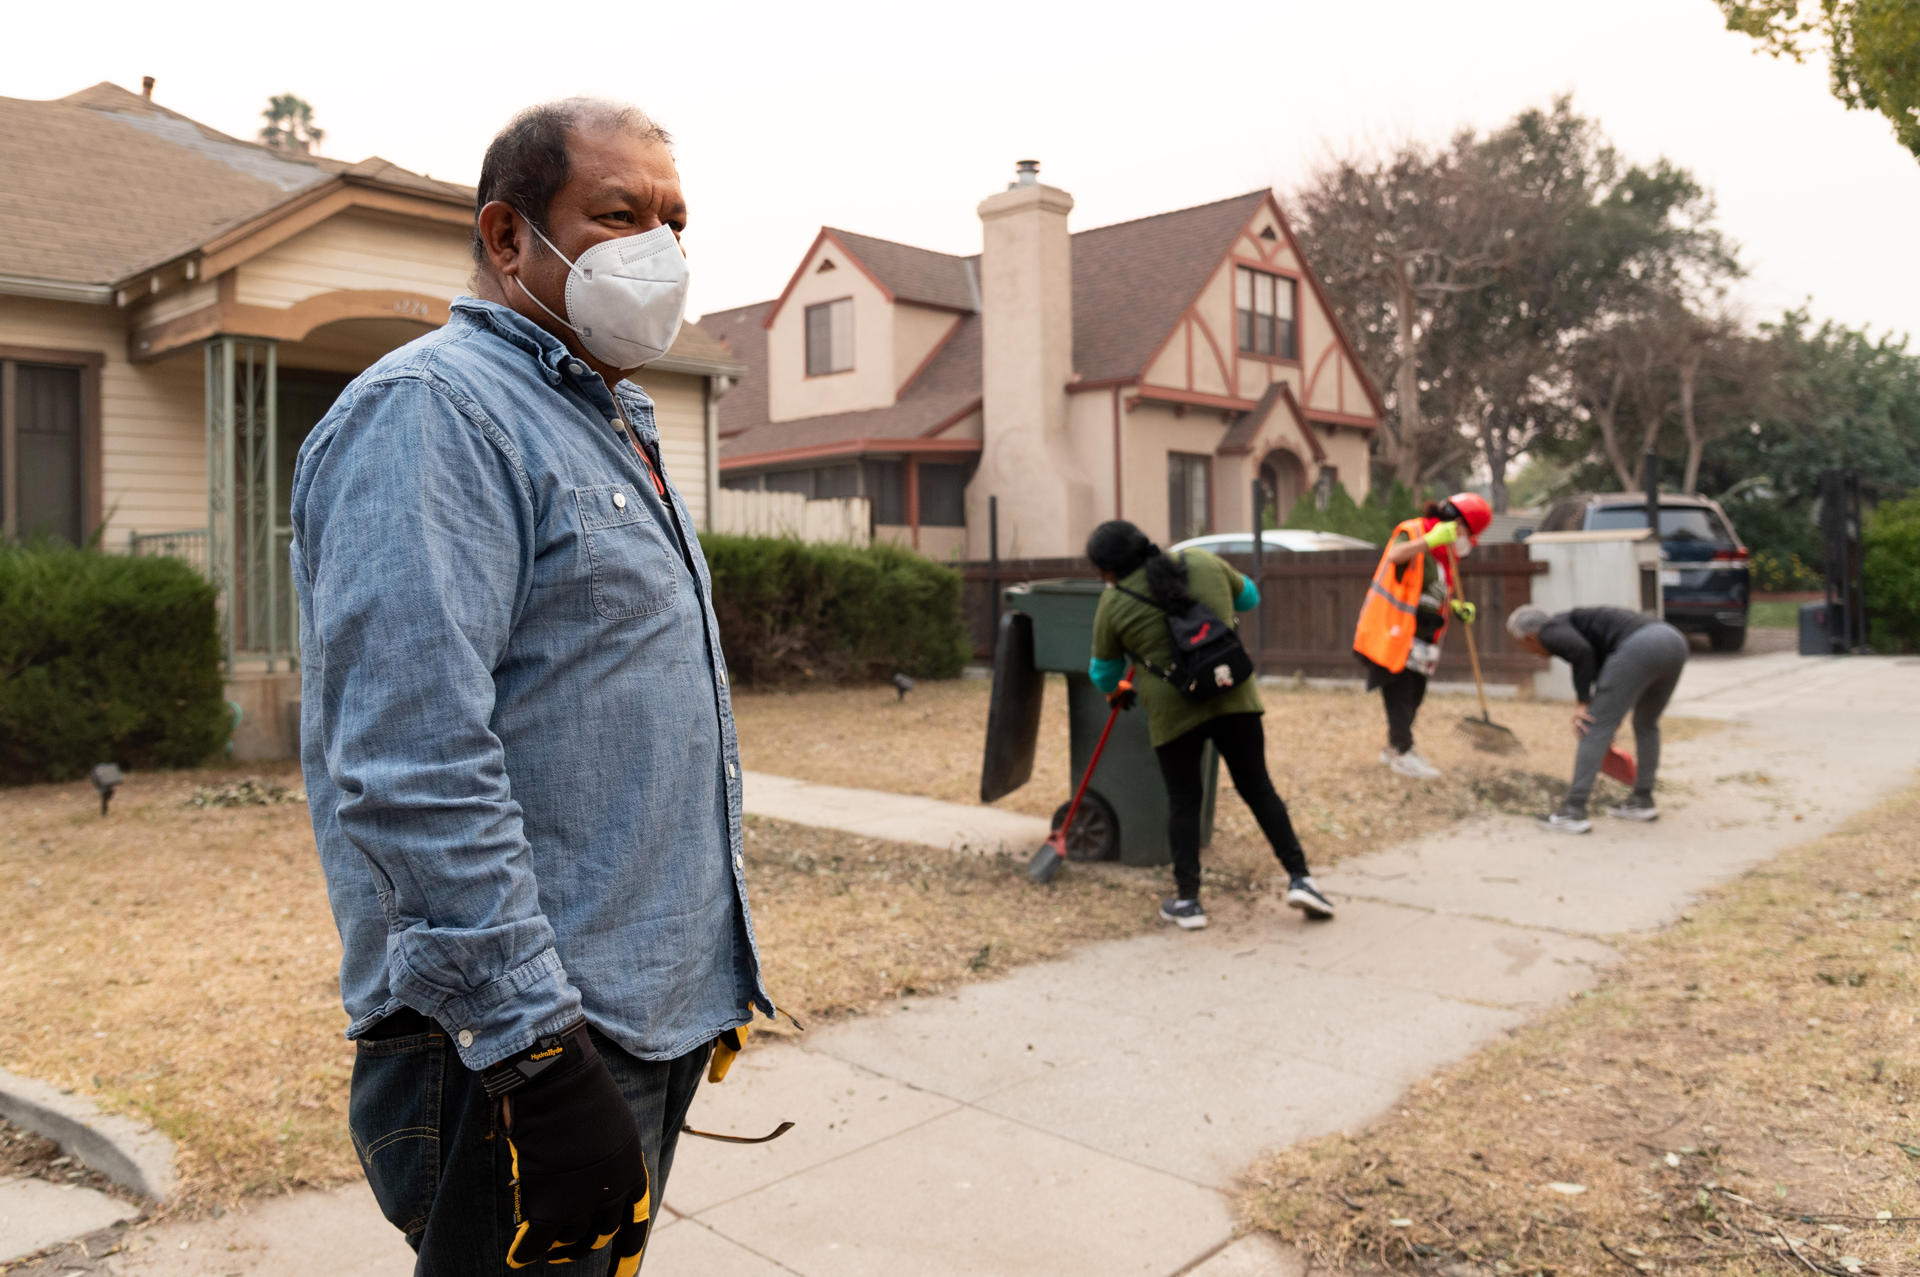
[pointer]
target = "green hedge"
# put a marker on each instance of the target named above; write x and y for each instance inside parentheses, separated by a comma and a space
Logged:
(105, 658)
(791, 612)
(1892, 571)
(1371, 520)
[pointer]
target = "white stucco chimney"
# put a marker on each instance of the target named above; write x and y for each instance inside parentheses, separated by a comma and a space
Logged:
(1026, 301)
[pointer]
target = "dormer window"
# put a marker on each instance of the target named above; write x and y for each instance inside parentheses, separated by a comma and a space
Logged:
(830, 337)
(1265, 307)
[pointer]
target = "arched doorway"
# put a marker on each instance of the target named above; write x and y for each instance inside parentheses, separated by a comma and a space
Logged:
(1285, 479)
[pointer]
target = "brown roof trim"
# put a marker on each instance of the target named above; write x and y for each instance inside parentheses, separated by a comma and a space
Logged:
(301, 211)
(826, 236)
(846, 447)
(1194, 399)
(955, 420)
(1300, 422)
(938, 346)
(1247, 431)
(1105, 383)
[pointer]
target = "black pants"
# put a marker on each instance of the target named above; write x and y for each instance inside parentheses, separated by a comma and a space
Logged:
(425, 1134)
(1242, 743)
(1402, 694)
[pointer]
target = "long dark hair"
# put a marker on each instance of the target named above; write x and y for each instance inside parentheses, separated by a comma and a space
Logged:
(1119, 547)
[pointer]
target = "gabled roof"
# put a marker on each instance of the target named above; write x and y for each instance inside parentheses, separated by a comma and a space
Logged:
(70, 162)
(1132, 281)
(947, 390)
(917, 275)
(1242, 435)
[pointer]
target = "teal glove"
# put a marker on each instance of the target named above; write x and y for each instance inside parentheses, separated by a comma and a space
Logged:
(1463, 609)
(1445, 533)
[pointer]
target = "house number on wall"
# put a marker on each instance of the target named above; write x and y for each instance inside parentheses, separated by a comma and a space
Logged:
(412, 309)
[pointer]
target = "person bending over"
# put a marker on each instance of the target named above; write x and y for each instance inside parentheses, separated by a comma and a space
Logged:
(1132, 618)
(1621, 661)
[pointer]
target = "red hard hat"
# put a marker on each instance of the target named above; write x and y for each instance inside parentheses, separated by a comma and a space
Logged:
(1474, 510)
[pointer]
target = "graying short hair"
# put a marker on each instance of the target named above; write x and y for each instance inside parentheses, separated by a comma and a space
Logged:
(1527, 620)
(528, 163)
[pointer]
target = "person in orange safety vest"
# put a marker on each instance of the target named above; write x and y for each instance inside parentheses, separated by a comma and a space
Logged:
(1406, 612)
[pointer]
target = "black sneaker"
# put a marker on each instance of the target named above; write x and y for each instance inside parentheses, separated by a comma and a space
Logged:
(1637, 807)
(1567, 820)
(1185, 914)
(1303, 895)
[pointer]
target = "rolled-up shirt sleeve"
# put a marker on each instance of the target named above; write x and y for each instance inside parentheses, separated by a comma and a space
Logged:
(414, 526)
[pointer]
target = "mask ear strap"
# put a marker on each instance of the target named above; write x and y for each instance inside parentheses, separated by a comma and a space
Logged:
(557, 253)
(543, 306)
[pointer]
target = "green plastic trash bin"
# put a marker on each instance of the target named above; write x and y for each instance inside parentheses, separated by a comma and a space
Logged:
(1124, 815)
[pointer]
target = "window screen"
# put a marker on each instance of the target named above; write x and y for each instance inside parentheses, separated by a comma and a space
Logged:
(1188, 476)
(44, 491)
(943, 496)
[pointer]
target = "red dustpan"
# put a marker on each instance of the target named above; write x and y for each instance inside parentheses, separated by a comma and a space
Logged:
(1620, 766)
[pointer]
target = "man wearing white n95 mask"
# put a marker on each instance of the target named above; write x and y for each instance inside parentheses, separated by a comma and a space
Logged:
(519, 748)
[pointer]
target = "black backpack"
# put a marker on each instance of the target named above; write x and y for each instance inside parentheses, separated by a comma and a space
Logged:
(1208, 659)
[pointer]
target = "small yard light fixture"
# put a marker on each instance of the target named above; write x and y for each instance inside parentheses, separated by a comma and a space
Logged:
(902, 684)
(106, 779)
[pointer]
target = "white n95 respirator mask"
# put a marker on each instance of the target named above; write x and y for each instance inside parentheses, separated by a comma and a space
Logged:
(625, 297)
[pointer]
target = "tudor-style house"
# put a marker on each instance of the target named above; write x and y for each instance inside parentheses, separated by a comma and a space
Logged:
(1150, 370)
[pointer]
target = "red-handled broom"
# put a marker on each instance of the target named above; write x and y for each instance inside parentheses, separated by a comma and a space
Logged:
(1046, 861)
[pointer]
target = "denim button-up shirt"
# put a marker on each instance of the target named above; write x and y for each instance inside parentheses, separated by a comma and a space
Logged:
(518, 744)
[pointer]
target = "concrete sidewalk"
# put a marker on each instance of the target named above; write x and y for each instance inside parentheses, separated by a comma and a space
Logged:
(1088, 1116)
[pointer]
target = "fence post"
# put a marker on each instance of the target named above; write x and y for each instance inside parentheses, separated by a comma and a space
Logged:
(993, 565)
(1259, 572)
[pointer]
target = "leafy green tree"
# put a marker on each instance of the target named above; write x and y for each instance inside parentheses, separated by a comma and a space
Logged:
(289, 125)
(1872, 49)
(1892, 576)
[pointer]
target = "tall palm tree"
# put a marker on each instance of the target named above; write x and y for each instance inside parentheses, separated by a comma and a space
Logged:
(290, 124)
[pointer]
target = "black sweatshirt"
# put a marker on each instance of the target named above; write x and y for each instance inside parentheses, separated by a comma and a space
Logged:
(1585, 637)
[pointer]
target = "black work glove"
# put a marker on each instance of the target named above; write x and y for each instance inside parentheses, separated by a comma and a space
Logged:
(579, 1177)
(1123, 696)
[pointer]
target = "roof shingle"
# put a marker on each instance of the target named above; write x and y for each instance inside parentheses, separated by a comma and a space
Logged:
(917, 274)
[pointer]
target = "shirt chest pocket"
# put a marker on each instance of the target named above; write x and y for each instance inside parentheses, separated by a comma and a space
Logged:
(633, 568)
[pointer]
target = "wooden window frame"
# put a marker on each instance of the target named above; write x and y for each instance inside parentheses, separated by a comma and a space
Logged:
(89, 362)
(1280, 279)
(806, 338)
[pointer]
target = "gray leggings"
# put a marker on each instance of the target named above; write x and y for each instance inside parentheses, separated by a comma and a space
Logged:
(1640, 675)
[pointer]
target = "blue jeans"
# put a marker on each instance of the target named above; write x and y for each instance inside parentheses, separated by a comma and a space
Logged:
(427, 1140)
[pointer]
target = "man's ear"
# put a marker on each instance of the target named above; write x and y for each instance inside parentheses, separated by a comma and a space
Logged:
(500, 236)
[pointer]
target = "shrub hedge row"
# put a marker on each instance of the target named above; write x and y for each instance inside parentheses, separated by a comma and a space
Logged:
(105, 658)
(791, 612)
(1892, 575)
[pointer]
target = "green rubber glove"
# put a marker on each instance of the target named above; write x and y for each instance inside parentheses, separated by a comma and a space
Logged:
(1463, 609)
(1443, 534)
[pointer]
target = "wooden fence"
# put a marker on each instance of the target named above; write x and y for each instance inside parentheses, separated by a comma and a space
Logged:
(843, 521)
(1308, 606)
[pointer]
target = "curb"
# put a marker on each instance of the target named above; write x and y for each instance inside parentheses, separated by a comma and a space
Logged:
(131, 1154)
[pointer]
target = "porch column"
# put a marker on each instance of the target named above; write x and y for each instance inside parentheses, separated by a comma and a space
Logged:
(243, 500)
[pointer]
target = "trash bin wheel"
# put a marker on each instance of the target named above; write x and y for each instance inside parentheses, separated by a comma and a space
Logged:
(1096, 829)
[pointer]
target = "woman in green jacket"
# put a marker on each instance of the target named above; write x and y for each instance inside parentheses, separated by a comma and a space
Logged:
(1136, 571)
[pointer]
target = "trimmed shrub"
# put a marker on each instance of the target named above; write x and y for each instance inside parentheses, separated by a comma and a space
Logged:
(105, 658)
(1371, 520)
(1892, 572)
(792, 612)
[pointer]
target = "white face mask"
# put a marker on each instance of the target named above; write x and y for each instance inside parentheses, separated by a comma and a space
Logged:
(1463, 547)
(625, 297)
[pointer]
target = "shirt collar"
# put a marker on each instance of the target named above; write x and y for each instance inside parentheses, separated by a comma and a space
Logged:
(551, 353)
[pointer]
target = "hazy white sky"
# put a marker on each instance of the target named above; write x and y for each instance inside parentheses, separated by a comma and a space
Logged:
(895, 119)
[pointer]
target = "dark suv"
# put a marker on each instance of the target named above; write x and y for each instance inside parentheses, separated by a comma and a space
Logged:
(1703, 566)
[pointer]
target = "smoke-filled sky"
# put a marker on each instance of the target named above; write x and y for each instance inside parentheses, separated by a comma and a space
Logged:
(895, 119)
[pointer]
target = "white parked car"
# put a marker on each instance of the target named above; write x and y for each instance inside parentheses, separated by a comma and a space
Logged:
(1296, 540)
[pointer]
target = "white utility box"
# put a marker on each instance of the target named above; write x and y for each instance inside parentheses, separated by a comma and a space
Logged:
(1592, 569)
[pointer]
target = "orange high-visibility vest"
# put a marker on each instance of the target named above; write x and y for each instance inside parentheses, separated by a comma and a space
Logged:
(1385, 632)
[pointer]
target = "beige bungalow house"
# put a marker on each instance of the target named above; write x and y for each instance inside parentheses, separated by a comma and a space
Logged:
(1151, 370)
(178, 308)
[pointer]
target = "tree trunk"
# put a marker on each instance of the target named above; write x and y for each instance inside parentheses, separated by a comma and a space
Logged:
(1689, 372)
(1493, 447)
(1406, 465)
(1603, 416)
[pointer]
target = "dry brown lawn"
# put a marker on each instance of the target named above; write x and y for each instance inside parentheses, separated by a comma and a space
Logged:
(1738, 1097)
(180, 962)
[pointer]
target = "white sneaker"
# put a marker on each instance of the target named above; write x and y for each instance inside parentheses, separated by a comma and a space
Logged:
(1409, 764)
